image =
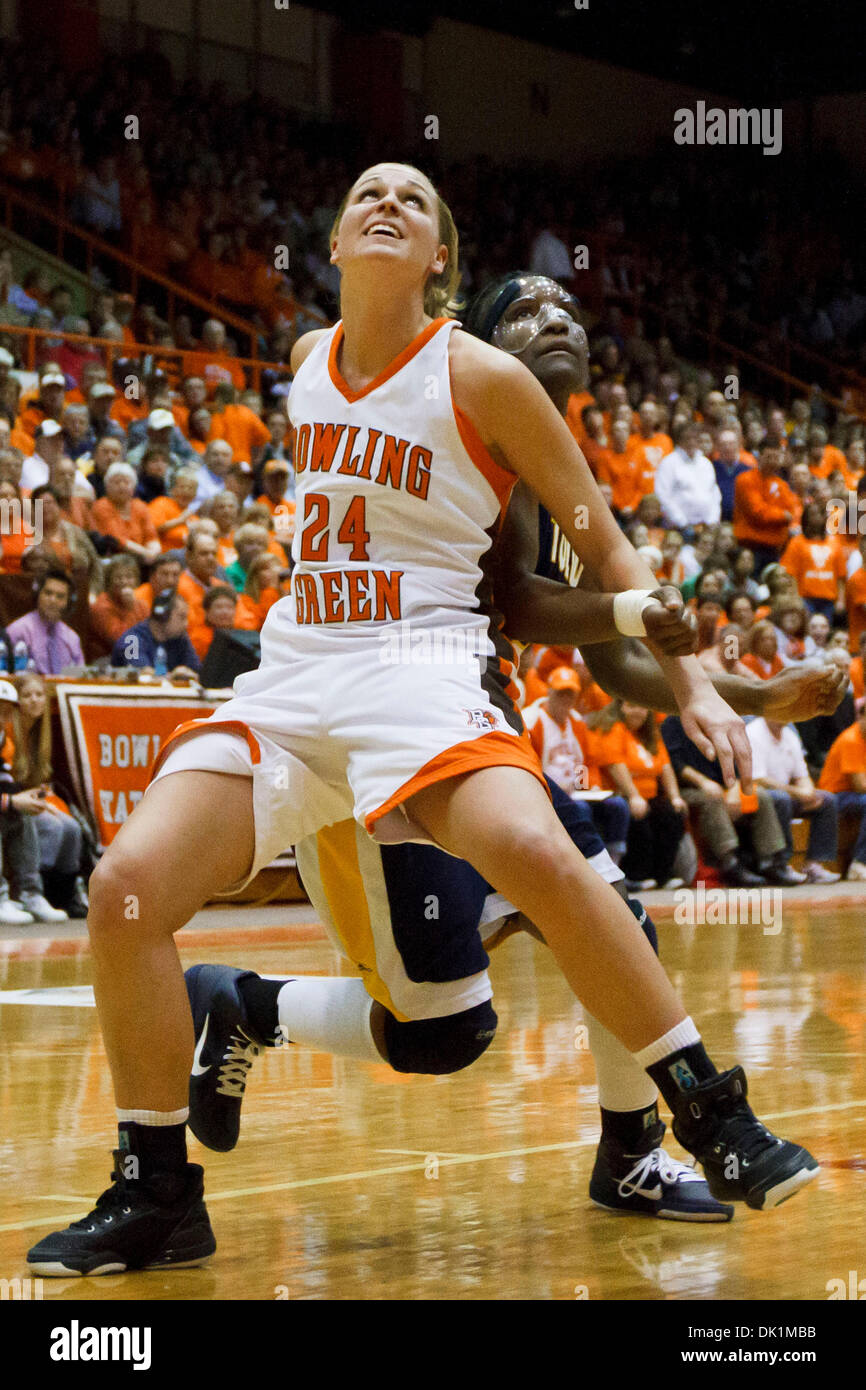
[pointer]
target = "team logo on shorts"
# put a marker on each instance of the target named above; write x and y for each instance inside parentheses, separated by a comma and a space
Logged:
(480, 719)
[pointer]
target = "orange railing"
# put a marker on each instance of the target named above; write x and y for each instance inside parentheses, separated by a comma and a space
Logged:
(113, 351)
(131, 273)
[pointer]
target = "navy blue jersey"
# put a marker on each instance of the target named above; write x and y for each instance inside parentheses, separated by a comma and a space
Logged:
(556, 559)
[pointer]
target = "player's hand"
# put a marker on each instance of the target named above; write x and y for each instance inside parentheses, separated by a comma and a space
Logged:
(29, 802)
(799, 693)
(679, 805)
(719, 733)
(672, 626)
(638, 806)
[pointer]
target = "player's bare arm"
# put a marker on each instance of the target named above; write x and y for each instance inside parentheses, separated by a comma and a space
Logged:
(544, 610)
(536, 608)
(523, 431)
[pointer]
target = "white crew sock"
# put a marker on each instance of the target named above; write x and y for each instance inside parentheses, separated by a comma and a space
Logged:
(683, 1034)
(153, 1117)
(330, 1014)
(622, 1082)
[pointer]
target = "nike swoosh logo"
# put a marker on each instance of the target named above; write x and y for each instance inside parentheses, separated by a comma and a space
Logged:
(198, 1070)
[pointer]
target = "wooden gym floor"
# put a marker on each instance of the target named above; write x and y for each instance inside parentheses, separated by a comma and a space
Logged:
(353, 1182)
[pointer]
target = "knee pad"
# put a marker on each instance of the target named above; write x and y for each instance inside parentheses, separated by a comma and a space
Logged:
(645, 922)
(436, 1046)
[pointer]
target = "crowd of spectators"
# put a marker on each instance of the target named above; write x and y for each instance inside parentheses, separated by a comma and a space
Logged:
(143, 528)
(757, 512)
(171, 508)
(685, 241)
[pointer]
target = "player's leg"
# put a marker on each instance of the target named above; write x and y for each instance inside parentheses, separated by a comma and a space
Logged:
(162, 866)
(407, 917)
(632, 1172)
(164, 863)
(502, 820)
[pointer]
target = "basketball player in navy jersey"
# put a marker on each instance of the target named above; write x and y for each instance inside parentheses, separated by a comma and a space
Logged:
(534, 584)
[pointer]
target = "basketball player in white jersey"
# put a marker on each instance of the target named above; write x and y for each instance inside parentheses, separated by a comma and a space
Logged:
(410, 437)
(413, 1003)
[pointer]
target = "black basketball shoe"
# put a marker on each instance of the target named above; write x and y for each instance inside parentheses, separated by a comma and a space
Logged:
(225, 1049)
(158, 1222)
(742, 1160)
(652, 1183)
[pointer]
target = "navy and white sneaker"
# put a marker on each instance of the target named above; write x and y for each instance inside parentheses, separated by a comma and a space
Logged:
(743, 1161)
(652, 1183)
(156, 1223)
(225, 1048)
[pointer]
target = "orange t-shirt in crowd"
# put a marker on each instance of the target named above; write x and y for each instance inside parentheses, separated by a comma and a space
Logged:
(241, 428)
(817, 566)
(144, 593)
(29, 421)
(832, 461)
(249, 615)
(586, 738)
(137, 527)
(620, 745)
(108, 621)
(19, 440)
(592, 698)
(286, 507)
(651, 450)
(13, 547)
(124, 412)
(629, 477)
(855, 597)
(856, 674)
(577, 403)
(592, 451)
(765, 669)
(765, 509)
(534, 687)
(215, 367)
(181, 418)
(847, 755)
(78, 512)
(165, 509)
(200, 634)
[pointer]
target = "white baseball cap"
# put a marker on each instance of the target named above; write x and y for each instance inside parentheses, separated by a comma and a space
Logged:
(160, 420)
(52, 379)
(8, 692)
(48, 429)
(103, 388)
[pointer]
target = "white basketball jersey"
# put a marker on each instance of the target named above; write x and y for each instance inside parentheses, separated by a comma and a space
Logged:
(397, 505)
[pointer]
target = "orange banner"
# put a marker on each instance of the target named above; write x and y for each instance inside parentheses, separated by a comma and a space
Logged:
(112, 736)
(120, 745)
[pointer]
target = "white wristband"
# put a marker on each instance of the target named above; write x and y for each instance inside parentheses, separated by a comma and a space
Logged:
(628, 610)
